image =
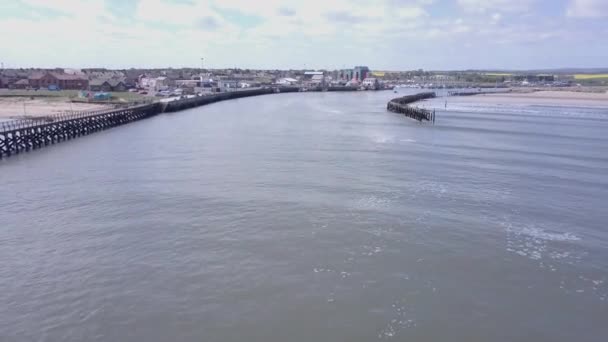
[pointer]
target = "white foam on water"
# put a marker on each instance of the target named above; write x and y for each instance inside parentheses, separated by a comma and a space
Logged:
(399, 320)
(372, 202)
(555, 252)
(548, 236)
(382, 139)
(436, 189)
(371, 250)
(539, 244)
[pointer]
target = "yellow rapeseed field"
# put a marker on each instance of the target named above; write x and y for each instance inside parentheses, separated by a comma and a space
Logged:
(589, 76)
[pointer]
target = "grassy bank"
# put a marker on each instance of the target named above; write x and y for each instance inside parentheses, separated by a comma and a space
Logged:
(69, 95)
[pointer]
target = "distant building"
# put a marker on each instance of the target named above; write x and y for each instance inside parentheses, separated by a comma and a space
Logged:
(143, 81)
(534, 78)
(360, 73)
(187, 83)
(345, 75)
(287, 81)
(312, 73)
(313, 78)
(118, 85)
(227, 85)
(107, 85)
(154, 83)
(58, 81)
(371, 83)
(162, 83)
(317, 80)
(73, 72)
(21, 84)
(132, 77)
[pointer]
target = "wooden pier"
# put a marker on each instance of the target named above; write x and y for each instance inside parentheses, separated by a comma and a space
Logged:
(19, 136)
(400, 105)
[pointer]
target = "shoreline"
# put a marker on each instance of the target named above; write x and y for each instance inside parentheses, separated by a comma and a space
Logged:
(543, 98)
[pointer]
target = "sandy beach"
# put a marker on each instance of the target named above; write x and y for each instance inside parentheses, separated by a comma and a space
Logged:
(546, 98)
(20, 107)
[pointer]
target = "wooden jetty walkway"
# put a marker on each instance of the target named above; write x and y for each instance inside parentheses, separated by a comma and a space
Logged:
(401, 105)
(24, 135)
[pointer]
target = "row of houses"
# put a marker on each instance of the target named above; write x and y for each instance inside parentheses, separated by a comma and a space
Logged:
(57, 81)
(192, 80)
(359, 76)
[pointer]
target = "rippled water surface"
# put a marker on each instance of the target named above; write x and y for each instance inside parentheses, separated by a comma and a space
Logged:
(312, 217)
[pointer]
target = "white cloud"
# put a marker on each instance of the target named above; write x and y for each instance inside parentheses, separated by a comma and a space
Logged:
(272, 33)
(496, 5)
(88, 9)
(587, 9)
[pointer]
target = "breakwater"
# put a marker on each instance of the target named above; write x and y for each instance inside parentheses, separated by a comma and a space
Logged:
(25, 135)
(400, 105)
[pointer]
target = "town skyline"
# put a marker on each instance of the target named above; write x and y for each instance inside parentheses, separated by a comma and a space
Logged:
(71, 69)
(389, 34)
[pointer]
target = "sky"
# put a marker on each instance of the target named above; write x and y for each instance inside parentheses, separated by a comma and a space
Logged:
(312, 34)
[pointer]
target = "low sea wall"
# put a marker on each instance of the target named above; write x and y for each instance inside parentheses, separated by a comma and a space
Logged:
(197, 101)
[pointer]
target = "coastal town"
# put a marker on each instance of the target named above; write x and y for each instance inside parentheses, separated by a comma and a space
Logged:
(163, 82)
(36, 92)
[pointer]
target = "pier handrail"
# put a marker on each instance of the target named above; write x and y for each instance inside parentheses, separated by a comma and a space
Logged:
(17, 124)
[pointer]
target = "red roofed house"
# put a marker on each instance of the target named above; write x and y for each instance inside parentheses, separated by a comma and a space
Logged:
(58, 80)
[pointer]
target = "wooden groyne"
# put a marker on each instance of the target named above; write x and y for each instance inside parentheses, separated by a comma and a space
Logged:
(401, 105)
(19, 136)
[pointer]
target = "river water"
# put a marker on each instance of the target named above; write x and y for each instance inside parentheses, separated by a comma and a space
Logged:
(312, 217)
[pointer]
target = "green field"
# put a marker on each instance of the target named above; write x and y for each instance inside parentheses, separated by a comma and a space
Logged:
(64, 95)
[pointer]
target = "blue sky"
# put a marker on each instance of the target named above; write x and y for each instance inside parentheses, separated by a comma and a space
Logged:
(383, 34)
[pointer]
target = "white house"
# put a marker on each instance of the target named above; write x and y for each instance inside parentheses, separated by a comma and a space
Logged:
(287, 81)
(317, 79)
(227, 85)
(371, 83)
(154, 83)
